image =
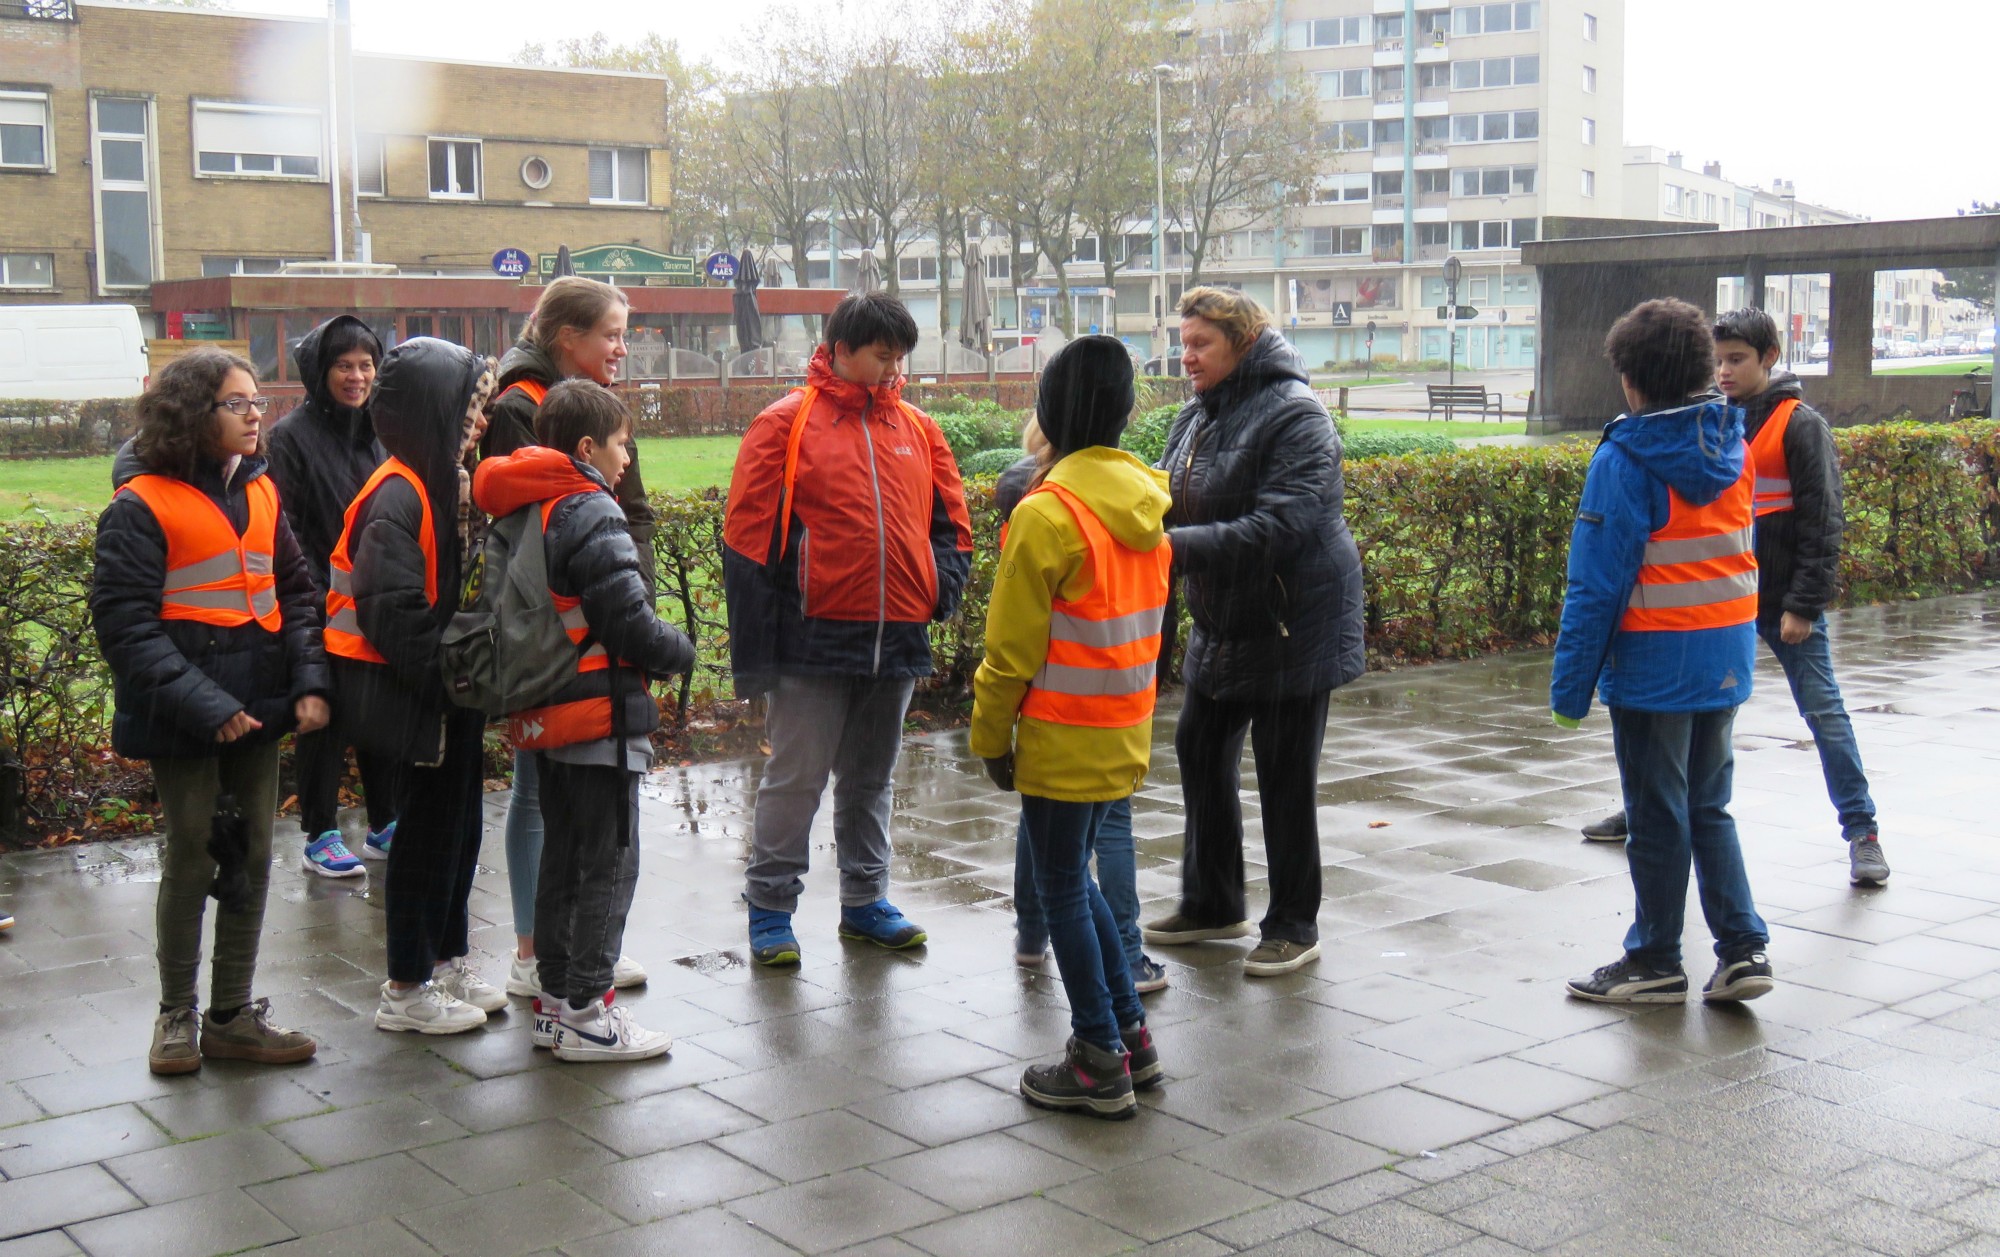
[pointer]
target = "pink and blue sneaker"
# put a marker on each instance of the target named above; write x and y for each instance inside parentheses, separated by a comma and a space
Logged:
(376, 845)
(328, 856)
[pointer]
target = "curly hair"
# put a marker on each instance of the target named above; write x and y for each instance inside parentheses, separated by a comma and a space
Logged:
(177, 411)
(1240, 318)
(1664, 348)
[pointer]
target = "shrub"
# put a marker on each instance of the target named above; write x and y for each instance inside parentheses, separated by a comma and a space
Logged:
(1357, 446)
(970, 426)
(989, 462)
(1146, 436)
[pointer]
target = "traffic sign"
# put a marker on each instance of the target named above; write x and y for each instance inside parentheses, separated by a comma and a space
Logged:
(1462, 313)
(513, 263)
(1343, 314)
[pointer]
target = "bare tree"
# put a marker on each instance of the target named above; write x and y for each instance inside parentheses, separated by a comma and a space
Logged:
(771, 142)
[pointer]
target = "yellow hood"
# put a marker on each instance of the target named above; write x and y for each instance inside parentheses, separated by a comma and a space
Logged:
(1128, 497)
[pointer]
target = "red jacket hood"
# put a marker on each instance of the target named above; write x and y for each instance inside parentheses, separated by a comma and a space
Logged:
(536, 473)
(845, 393)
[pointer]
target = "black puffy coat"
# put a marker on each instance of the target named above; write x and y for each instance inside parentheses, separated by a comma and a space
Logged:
(422, 396)
(321, 453)
(1270, 572)
(513, 425)
(175, 682)
(1798, 551)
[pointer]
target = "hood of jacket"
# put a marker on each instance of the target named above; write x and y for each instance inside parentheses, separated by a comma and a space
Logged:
(309, 355)
(427, 395)
(846, 394)
(212, 478)
(1783, 384)
(524, 361)
(1129, 498)
(1269, 359)
(533, 474)
(1700, 469)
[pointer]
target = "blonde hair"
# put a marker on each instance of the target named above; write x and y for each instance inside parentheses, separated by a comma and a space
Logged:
(1035, 444)
(571, 301)
(1239, 318)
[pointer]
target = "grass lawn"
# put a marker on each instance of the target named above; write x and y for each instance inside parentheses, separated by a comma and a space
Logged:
(1458, 429)
(1936, 368)
(1356, 381)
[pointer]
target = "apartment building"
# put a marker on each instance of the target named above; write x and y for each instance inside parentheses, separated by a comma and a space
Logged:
(141, 144)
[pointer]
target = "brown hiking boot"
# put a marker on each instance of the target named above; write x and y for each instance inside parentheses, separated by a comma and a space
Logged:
(174, 1043)
(250, 1036)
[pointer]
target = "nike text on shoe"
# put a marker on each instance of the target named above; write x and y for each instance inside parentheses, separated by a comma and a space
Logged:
(426, 1009)
(1745, 975)
(605, 1032)
(1176, 928)
(881, 924)
(1088, 1079)
(1865, 864)
(1629, 982)
(328, 856)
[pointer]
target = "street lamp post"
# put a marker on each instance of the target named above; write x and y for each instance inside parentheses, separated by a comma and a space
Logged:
(1160, 72)
(1453, 268)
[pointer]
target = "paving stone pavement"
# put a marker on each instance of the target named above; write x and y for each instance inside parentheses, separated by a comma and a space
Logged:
(1425, 1089)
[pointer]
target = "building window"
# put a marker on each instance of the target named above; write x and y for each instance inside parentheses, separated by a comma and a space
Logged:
(917, 270)
(257, 140)
(1493, 233)
(369, 169)
(1590, 183)
(1433, 234)
(999, 266)
(1433, 181)
(24, 132)
(1674, 199)
(618, 176)
(1347, 137)
(1326, 32)
(1494, 181)
(1488, 128)
(1496, 72)
(212, 268)
(27, 270)
(1336, 241)
(819, 270)
(1590, 78)
(1354, 186)
(123, 175)
(1590, 130)
(1388, 183)
(1336, 84)
(1486, 19)
(454, 170)
(1590, 27)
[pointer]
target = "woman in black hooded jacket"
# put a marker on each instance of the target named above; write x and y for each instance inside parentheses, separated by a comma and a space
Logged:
(321, 454)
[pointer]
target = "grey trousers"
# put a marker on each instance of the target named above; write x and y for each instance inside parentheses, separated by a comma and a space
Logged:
(188, 789)
(850, 728)
(584, 886)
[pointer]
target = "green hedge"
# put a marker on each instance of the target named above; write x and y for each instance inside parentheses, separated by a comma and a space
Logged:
(1462, 552)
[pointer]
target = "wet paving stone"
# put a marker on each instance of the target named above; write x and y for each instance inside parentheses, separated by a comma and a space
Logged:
(1424, 1088)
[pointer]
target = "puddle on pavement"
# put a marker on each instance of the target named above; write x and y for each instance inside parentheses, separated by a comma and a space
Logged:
(712, 962)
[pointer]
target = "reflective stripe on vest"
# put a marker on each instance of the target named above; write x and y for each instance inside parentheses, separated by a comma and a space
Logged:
(1699, 570)
(534, 389)
(1767, 452)
(571, 609)
(1105, 646)
(215, 576)
(343, 633)
(577, 720)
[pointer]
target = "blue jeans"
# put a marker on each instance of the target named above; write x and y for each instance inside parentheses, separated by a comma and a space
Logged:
(1117, 880)
(1085, 939)
(1809, 668)
(1677, 768)
(524, 841)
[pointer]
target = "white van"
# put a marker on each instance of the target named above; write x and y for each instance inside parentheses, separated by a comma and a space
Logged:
(71, 353)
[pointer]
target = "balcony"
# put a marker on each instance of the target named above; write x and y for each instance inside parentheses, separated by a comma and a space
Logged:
(1393, 44)
(1389, 252)
(1433, 94)
(1432, 252)
(1389, 96)
(1432, 200)
(1388, 200)
(1389, 148)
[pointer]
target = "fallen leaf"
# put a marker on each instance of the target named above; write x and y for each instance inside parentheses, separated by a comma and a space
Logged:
(1379, 824)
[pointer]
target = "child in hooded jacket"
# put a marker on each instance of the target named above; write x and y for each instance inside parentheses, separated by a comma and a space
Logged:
(589, 782)
(1063, 703)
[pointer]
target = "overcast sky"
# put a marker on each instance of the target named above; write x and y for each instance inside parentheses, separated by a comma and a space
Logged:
(1883, 110)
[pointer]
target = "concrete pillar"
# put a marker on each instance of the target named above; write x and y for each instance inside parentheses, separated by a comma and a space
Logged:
(1850, 329)
(1753, 282)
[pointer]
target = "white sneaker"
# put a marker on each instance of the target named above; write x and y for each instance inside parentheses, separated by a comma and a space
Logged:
(627, 972)
(462, 982)
(542, 1026)
(524, 980)
(604, 1032)
(427, 1009)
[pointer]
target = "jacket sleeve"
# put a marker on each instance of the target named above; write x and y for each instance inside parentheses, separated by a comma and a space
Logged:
(750, 564)
(594, 558)
(303, 604)
(511, 426)
(951, 524)
(1606, 546)
(129, 572)
(1299, 461)
(389, 587)
(1035, 563)
(1817, 520)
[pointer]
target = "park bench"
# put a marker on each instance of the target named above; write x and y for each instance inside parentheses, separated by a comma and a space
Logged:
(1455, 397)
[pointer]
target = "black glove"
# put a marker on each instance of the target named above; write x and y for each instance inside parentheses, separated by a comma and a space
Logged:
(1001, 770)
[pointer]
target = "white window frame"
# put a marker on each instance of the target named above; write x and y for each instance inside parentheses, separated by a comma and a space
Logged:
(1513, 122)
(7, 279)
(1590, 28)
(1590, 183)
(919, 264)
(1673, 199)
(1590, 79)
(1486, 69)
(237, 268)
(1000, 265)
(1463, 22)
(1590, 130)
(1350, 187)
(380, 164)
(1334, 84)
(618, 188)
(198, 106)
(150, 186)
(1305, 34)
(48, 162)
(479, 167)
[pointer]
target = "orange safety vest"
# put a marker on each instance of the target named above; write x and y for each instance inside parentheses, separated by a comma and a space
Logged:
(579, 720)
(536, 391)
(792, 442)
(1700, 568)
(343, 627)
(213, 575)
(1767, 451)
(1104, 646)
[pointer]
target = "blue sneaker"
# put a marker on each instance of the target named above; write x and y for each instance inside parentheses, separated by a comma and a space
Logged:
(328, 856)
(880, 923)
(771, 939)
(376, 847)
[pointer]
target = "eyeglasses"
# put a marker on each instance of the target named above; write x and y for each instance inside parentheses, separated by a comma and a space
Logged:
(240, 406)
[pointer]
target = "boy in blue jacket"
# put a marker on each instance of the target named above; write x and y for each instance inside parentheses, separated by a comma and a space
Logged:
(1660, 619)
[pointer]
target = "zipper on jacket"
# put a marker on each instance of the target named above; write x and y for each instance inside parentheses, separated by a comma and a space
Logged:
(881, 542)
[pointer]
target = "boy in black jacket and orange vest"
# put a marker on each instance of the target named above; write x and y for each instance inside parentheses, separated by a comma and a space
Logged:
(589, 781)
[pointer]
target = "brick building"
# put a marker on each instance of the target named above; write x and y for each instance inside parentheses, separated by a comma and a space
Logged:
(142, 144)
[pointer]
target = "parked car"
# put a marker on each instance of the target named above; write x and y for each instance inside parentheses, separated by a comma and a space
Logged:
(72, 352)
(1881, 346)
(1930, 348)
(1955, 343)
(1984, 343)
(1903, 349)
(1820, 351)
